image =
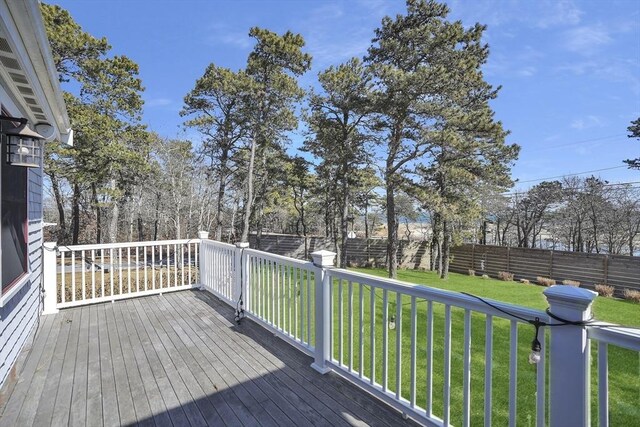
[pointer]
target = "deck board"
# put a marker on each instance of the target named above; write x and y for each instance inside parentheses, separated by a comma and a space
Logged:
(175, 359)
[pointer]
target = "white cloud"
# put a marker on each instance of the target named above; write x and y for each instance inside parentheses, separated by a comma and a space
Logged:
(559, 13)
(527, 71)
(224, 33)
(625, 71)
(158, 102)
(588, 122)
(586, 40)
(325, 22)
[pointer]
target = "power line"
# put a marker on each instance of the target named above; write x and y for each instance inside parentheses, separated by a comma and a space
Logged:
(631, 184)
(571, 174)
(570, 144)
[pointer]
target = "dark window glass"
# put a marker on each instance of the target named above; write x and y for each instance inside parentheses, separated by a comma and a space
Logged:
(14, 220)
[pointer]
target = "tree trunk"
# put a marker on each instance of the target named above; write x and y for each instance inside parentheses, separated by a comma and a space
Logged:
(96, 205)
(115, 213)
(392, 230)
(366, 229)
(249, 202)
(446, 246)
(75, 214)
(62, 223)
(344, 221)
(219, 206)
(140, 230)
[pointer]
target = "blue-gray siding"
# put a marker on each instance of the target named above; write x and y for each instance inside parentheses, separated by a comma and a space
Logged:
(20, 314)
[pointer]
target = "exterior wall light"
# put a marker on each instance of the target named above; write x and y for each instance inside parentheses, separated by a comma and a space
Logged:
(24, 146)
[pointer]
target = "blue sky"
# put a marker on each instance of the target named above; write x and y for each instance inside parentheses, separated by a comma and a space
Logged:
(569, 70)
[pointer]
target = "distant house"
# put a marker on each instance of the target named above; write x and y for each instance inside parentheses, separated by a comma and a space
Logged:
(31, 103)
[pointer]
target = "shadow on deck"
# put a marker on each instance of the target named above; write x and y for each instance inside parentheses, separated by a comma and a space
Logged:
(174, 359)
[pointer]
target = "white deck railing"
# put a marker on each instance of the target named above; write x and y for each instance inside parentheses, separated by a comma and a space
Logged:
(420, 349)
(87, 274)
(620, 338)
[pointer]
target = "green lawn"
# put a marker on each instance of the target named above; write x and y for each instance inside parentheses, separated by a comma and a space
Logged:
(292, 300)
(624, 365)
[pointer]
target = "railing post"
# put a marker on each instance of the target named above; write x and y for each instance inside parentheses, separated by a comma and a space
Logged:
(569, 354)
(322, 260)
(49, 278)
(241, 277)
(202, 235)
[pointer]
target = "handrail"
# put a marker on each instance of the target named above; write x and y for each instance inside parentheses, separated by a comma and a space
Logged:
(275, 257)
(217, 244)
(439, 295)
(71, 248)
(628, 338)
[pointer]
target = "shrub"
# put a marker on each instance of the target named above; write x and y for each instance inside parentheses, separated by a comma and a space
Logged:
(571, 283)
(472, 272)
(605, 290)
(485, 276)
(506, 276)
(525, 281)
(545, 281)
(631, 294)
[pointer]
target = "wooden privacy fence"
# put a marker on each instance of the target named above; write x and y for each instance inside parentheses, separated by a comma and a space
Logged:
(620, 271)
(411, 254)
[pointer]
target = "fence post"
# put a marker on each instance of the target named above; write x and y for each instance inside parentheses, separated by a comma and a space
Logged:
(49, 277)
(241, 277)
(569, 354)
(322, 260)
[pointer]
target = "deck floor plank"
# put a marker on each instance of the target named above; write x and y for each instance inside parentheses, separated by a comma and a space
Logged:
(93, 410)
(19, 381)
(333, 391)
(41, 394)
(152, 371)
(78, 405)
(195, 380)
(140, 399)
(288, 400)
(124, 396)
(62, 405)
(191, 409)
(110, 410)
(230, 406)
(251, 399)
(175, 359)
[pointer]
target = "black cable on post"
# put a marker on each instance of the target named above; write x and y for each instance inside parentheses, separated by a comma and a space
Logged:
(239, 315)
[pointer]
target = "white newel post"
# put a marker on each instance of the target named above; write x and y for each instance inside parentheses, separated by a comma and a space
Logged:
(49, 277)
(322, 260)
(202, 266)
(241, 274)
(569, 357)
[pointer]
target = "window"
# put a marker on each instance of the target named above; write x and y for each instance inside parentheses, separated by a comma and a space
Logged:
(13, 183)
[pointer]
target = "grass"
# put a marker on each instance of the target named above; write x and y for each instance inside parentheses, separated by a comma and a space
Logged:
(99, 283)
(624, 365)
(352, 344)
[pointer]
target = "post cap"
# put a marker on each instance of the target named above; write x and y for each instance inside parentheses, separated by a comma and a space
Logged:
(323, 258)
(242, 244)
(203, 234)
(50, 245)
(570, 302)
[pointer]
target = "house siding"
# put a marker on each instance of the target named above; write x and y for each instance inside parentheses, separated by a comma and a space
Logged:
(20, 314)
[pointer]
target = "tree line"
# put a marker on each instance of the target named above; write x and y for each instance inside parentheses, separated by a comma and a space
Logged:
(575, 214)
(405, 133)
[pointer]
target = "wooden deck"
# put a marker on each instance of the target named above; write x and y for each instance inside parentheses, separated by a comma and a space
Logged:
(174, 359)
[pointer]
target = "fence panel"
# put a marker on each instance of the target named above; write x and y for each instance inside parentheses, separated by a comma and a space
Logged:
(218, 269)
(403, 343)
(526, 263)
(281, 294)
(87, 274)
